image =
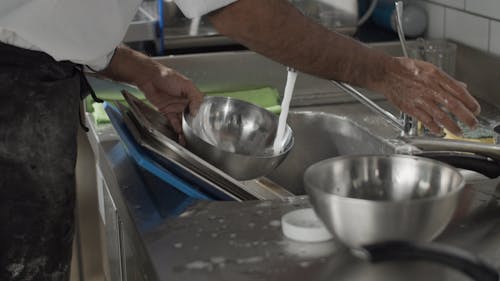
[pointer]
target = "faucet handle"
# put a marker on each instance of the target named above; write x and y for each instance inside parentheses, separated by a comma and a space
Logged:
(410, 125)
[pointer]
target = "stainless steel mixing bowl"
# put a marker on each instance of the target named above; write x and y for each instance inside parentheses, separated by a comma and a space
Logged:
(365, 200)
(236, 137)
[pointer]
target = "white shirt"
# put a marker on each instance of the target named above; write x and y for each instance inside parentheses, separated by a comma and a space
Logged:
(198, 8)
(82, 31)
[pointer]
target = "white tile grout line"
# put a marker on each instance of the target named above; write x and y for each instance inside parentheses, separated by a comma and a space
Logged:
(445, 34)
(489, 36)
(444, 5)
(463, 11)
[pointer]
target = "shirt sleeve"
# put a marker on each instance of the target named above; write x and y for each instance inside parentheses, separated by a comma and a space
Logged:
(99, 63)
(197, 8)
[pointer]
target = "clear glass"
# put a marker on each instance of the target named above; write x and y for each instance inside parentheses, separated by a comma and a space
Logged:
(331, 14)
(439, 52)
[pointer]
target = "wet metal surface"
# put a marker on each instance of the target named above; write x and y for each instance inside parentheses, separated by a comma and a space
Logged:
(243, 241)
(175, 238)
(184, 239)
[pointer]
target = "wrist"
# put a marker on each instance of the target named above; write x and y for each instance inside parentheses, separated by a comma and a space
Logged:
(381, 73)
(145, 70)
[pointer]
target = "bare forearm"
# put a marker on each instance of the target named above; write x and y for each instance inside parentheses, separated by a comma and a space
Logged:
(130, 66)
(283, 34)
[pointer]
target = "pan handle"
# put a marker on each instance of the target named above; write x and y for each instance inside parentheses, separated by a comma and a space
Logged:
(481, 164)
(453, 257)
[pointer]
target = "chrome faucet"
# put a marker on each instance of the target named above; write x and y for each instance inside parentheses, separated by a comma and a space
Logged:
(406, 124)
(410, 124)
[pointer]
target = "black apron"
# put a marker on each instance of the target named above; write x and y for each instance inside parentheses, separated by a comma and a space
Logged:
(39, 114)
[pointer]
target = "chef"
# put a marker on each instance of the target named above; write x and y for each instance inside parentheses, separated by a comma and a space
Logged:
(47, 45)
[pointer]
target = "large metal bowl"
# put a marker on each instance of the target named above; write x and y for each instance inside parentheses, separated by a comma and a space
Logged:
(365, 200)
(236, 137)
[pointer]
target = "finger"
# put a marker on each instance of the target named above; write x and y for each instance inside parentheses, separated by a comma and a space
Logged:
(182, 140)
(440, 117)
(194, 96)
(175, 121)
(427, 121)
(457, 108)
(460, 92)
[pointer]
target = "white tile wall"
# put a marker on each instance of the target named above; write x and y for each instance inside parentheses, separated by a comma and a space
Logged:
(495, 37)
(435, 14)
(490, 8)
(466, 28)
(460, 4)
(473, 22)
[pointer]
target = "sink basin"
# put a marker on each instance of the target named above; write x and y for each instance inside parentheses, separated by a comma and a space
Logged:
(319, 136)
(326, 121)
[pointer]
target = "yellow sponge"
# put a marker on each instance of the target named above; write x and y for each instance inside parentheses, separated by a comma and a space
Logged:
(481, 139)
(481, 134)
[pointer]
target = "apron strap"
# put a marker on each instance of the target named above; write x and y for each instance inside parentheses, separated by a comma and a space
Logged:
(84, 90)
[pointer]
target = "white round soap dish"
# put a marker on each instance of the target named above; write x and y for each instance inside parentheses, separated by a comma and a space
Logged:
(303, 225)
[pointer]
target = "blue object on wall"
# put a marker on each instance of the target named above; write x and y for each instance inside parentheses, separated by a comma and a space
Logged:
(414, 18)
(160, 29)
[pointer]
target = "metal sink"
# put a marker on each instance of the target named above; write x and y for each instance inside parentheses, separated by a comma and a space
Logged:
(326, 121)
(319, 136)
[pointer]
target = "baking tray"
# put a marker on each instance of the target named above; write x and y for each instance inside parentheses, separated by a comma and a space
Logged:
(153, 132)
(145, 160)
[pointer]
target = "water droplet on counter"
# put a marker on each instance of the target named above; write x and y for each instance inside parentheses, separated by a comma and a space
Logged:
(249, 260)
(218, 259)
(264, 204)
(305, 264)
(200, 265)
(275, 223)
(178, 245)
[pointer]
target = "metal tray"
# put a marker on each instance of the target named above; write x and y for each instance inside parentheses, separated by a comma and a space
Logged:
(153, 132)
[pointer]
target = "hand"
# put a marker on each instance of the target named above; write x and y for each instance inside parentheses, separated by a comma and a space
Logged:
(165, 88)
(170, 92)
(423, 91)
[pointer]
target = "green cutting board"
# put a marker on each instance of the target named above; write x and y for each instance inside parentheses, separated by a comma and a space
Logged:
(266, 97)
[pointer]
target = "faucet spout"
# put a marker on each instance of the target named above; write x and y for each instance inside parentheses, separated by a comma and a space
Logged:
(399, 124)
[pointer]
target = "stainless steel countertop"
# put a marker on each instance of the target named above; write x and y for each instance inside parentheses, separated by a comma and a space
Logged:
(209, 243)
(198, 240)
